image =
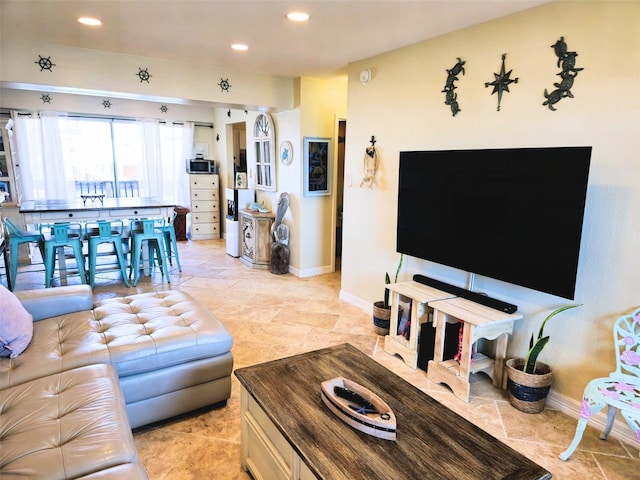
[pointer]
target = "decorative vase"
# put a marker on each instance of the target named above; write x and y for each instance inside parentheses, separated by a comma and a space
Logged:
(527, 391)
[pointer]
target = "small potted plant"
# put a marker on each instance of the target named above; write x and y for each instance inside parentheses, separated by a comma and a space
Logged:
(382, 309)
(529, 381)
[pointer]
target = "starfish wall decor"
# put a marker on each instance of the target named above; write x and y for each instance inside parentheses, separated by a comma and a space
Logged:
(502, 81)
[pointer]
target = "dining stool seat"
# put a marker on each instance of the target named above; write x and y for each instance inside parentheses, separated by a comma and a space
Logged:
(170, 241)
(60, 235)
(15, 236)
(100, 232)
(148, 230)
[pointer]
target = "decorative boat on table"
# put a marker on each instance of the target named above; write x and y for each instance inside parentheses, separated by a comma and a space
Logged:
(359, 407)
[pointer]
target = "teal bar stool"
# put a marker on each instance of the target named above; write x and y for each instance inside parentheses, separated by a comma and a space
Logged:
(148, 230)
(15, 237)
(60, 235)
(100, 232)
(170, 241)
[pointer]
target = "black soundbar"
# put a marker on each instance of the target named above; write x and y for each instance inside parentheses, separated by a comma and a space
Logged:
(464, 293)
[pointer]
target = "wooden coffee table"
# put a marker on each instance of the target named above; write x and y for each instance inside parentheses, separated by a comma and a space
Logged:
(288, 433)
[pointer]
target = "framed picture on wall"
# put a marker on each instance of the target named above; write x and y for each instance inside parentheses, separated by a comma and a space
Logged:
(317, 167)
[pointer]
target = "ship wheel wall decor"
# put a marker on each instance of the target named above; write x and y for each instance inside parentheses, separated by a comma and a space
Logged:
(568, 73)
(45, 63)
(451, 97)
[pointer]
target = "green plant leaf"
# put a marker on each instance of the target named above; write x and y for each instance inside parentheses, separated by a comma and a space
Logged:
(532, 356)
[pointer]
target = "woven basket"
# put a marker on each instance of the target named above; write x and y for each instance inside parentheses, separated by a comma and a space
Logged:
(381, 318)
(528, 392)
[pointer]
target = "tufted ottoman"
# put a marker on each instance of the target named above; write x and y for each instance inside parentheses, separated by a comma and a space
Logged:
(171, 354)
(68, 425)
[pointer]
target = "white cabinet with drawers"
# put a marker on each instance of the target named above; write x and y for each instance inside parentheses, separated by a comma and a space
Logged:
(205, 206)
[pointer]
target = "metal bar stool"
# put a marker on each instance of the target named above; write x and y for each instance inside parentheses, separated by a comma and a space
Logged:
(102, 231)
(170, 241)
(16, 237)
(60, 235)
(148, 230)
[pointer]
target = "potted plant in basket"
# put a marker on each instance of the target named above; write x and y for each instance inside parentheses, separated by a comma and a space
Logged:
(529, 380)
(382, 309)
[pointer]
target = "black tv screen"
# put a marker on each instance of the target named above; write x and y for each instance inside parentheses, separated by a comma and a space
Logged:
(510, 214)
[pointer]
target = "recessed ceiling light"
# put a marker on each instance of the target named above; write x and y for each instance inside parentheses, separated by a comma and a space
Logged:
(241, 47)
(94, 22)
(298, 16)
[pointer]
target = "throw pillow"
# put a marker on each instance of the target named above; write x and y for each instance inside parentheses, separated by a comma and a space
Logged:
(16, 325)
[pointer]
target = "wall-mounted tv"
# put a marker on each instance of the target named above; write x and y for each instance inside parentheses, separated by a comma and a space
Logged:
(510, 214)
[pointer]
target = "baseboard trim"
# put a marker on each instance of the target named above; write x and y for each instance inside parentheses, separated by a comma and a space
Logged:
(571, 407)
(312, 272)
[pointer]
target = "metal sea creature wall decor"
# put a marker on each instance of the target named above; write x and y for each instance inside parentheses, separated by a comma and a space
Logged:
(568, 73)
(451, 97)
(502, 81)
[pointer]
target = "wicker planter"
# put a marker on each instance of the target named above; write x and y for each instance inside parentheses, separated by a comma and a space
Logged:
(528, 392)
(382, 317)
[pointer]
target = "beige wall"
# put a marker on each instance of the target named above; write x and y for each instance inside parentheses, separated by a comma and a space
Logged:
(403, 106)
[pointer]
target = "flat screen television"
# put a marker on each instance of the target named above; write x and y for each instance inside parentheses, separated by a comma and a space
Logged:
(510, 214)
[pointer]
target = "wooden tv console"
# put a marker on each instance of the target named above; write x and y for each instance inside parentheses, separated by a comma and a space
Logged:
(480, 322)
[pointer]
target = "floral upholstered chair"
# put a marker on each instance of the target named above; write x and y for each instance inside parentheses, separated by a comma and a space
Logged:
(621, 389)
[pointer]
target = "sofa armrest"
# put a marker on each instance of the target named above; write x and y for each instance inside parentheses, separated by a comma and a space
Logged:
(51, 302)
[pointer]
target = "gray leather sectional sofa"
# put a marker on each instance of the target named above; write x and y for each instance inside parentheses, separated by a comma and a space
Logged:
(91, 373)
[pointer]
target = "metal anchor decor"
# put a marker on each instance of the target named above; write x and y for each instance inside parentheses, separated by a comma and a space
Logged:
(451, 98)
(501, 82)
(568, 73)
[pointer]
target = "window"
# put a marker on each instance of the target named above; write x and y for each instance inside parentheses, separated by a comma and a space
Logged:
(117, 158)
(264, 141)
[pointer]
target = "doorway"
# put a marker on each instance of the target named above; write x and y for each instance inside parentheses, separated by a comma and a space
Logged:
(342, 136)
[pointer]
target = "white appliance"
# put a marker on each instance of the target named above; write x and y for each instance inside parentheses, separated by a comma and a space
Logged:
(237, 199)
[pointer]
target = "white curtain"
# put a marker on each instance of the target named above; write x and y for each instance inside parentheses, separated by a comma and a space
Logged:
(41, 161)
(177, 146)
(45, 176)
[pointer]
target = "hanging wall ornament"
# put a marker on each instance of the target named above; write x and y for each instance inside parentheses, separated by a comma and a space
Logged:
(143, 74)
(106, 103)
(164, 108)
(371, 163)
(501, 82)
(451, 97)
(224, 84)
(46, 98)
(45, 63)
(568, 72)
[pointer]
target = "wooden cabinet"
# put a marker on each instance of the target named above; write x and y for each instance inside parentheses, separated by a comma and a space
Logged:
(205, 206)
(255, 228)
(265, 452)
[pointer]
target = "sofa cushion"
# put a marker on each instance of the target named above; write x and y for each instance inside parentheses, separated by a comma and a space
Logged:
(136, 334)
(16, 325)
(66, 425)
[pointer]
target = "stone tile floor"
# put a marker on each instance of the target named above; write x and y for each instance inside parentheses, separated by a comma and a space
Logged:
(272, 316)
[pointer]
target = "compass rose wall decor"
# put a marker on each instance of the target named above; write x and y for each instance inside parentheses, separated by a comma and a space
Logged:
(501, 82)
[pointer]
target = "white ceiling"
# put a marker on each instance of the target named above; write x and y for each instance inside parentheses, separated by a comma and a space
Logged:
(201, 31)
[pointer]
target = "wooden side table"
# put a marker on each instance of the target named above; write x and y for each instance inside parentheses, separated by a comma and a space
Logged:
(479, 322)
